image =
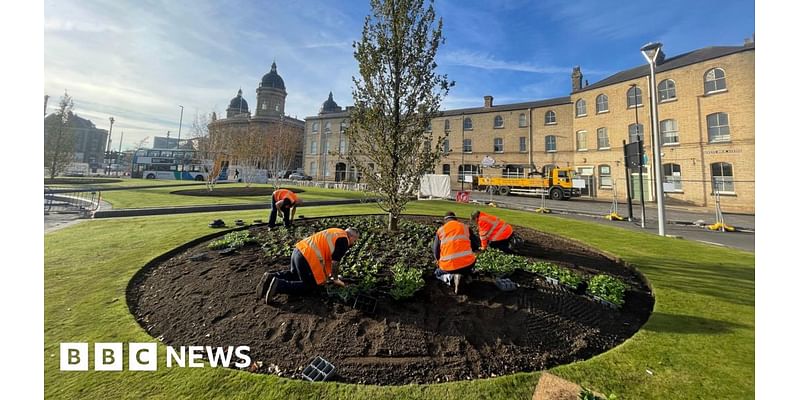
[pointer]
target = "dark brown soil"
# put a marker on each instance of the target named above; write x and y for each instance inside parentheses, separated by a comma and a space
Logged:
(435, 336)
(230, 191)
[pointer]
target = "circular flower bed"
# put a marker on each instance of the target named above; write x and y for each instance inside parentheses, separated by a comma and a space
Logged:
(231, 191)
(394, 323)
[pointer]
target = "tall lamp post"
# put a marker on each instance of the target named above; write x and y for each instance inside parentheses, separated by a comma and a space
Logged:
(651, 52)
(121, 135)
(180, 124)
(108, 146)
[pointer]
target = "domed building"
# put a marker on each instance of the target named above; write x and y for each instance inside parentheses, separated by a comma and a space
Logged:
(268, 118)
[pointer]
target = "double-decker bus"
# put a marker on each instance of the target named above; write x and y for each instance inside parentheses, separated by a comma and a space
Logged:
(179, 164)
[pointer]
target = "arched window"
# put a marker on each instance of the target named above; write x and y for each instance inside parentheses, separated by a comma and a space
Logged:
(550, 143)
(342, 145)
(635, 133)
(467, 124)
(714, 80)
(343, 126)
(447, 128)
(327, 127)
(523, 120)
(602, 139)
(315, 127)
(672, 174)
(669, 132)
(605, 176)
(580, 141)
(718, 129)
(634, 97)
(580, 108)
(446, 146)
(602, 103)
(446, 169)
(549, 117)
(666, 90)
(498, 122)
(722, 177)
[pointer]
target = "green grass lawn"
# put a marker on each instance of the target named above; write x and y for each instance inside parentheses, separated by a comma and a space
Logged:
(699, 343)
(163, 197)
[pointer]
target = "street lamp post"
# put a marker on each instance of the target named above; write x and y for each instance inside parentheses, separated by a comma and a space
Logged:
(108, 146)
(121, 135)
(180, 124)
(651, 52)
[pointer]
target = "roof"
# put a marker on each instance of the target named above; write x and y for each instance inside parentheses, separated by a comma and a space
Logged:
(682, 60)
(474, 110)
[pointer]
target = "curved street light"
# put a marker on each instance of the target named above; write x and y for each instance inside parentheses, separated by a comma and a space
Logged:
(651, 51)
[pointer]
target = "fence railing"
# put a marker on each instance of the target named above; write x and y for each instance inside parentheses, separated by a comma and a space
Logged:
(69, 199)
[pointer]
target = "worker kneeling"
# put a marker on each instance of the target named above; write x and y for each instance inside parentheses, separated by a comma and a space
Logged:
(453, 249)
(283, 201)
(494, 232)
(314, 262)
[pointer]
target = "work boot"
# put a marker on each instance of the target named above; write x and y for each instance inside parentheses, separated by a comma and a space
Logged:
(263, 284)
(457, 282)
(272, 290)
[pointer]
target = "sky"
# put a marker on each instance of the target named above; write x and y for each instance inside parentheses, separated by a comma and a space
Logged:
(139, 61)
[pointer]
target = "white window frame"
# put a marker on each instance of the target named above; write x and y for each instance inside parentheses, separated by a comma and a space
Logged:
(724, 138)
(502, 122)
(637, 97)
(547, 116)
(523, 144)
(669, 133)
(715, 80)
(501, 146)
(672, 178)
(585, 137)
(467, 149)
(605, 180)
(607, 140)
(665, 89)
(580, 108)
(547, 143)
(597, 103)
(725, 178)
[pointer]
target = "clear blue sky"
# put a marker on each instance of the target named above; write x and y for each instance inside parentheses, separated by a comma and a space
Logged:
(138, 60)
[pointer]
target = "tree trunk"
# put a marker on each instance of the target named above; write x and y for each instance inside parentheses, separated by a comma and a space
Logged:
(393, 222)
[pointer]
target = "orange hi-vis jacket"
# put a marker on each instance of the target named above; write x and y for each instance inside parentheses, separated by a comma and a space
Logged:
(492, 229)
(318, 249)
(455, 249)
(281, 194)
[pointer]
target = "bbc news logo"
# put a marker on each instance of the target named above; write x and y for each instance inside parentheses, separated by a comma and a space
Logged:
(144, 356)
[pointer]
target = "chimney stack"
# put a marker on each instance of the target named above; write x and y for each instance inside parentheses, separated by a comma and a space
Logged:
(577, 79)
(487, 101)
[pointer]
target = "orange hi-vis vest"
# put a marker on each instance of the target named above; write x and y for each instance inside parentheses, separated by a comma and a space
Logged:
(281, 194)
(318, 249)
(455, 249)
(492, 229)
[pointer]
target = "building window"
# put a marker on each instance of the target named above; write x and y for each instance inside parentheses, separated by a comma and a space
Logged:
(264, 106)
(447, 129)
(523, 144)
(498, 122)
(605, 176)
(343, 126)
(602, 103)
(342, 145)
(550, 143)
(429, 126)
(602, 139)
(446, 146)
(718, 129)
(714, 80)
(580, 108)
(634, 97)
(313, 147)
(669, 132)
(580, 141)
(467, 145)
(315, 127)
(468, 169)
(498, 145)
(328, 127)
(513, 171)
(635, 133)
(325, 146)
(446, 169)
(666, 90)
(313, 168)
(722, 177)
(523, 120)
(672, 174)
(550, 118)
(467, 124)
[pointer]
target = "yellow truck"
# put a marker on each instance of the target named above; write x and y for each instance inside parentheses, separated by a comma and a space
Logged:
(556, 183)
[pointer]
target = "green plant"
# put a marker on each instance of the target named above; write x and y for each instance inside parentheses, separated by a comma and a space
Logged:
(568, 278)
(607, 288)
(233, 240)
(406, 281)
(495, 262)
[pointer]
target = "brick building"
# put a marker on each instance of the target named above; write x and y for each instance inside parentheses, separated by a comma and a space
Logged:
(706, 110)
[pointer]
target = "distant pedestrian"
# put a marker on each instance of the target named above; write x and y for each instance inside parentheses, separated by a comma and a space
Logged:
(283, 201)
(453, 248)
(314, 263)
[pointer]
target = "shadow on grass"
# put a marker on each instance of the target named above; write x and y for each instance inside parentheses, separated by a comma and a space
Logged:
(678, 323)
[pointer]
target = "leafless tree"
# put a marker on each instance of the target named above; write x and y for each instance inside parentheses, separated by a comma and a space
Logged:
(59, 138)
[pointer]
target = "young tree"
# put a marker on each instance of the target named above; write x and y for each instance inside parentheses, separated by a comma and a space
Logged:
(212, 148)
(59, 138)
(395, 98)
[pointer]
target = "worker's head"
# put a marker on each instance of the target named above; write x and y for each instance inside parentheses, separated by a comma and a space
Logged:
(449, 216)
(475, 215)
(352, 235)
